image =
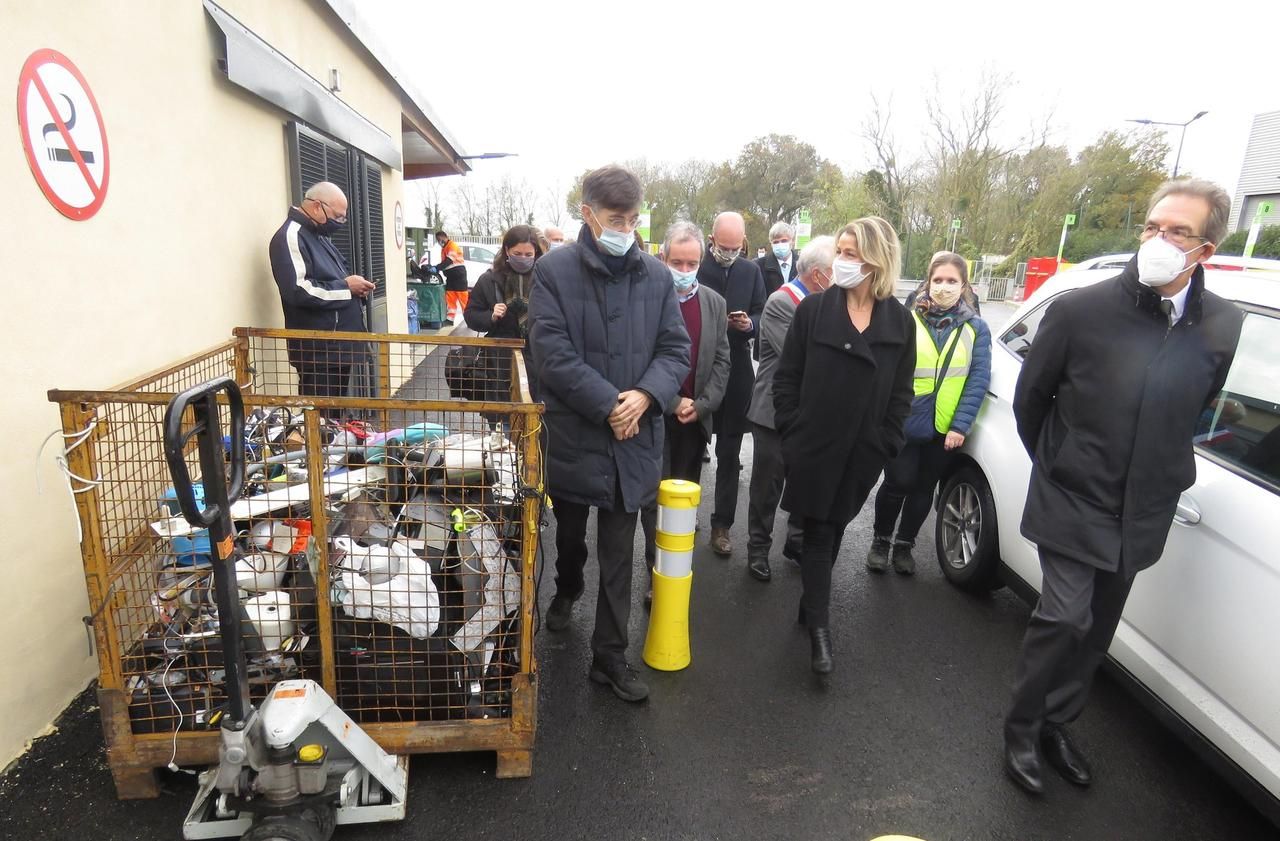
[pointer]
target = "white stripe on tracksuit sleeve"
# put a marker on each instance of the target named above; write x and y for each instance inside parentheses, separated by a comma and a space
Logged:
(300, 269)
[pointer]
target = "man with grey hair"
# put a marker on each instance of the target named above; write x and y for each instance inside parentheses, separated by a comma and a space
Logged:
(317, 290)
(688, 416)
(767, 473)
(739, 282)
(778, 265)
(1107, 402)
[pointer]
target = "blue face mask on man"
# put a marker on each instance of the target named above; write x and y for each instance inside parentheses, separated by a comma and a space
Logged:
(684, 281)
(782, 250)
(614, 242)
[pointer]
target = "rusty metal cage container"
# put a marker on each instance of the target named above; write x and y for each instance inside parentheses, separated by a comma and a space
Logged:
(388, 540)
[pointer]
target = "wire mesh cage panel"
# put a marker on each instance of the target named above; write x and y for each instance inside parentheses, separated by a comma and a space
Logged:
(386, 538)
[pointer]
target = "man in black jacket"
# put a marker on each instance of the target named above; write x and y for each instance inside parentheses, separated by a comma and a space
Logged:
(778, 265)
(1106, 405)
(739, 282)
(610, 349)
(317, 291)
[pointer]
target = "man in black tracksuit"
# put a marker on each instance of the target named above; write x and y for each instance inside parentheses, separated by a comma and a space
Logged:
(1106, 405)
(317, 292)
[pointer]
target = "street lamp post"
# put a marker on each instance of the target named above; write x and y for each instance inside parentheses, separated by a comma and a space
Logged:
(1177, 160)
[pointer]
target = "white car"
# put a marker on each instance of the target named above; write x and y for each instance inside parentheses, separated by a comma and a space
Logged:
(1116, 262)
(1200, 634)
(476, 256)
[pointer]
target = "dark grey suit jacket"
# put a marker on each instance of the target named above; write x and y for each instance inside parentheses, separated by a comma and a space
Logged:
(712, 375)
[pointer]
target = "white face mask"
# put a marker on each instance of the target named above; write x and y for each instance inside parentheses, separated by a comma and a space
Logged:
(615, 242)
(847, 273)
(1160, 261)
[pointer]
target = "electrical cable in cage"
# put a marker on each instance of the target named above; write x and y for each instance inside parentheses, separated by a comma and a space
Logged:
(74, 439)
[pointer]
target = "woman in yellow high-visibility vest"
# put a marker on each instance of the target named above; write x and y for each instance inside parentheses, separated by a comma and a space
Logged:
(953, 370)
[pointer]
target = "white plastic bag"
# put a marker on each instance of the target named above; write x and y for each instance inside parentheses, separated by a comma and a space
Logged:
(408, 600)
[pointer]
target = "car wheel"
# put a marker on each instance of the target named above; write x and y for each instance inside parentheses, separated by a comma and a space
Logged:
(965, 534)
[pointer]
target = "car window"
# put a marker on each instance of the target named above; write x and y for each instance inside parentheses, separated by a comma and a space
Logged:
(1242, 425)
(476, 254)
(1019, 336)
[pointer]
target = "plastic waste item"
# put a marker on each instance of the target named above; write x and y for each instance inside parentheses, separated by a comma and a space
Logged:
(259, 572)
(486, 571)
(465, 459)
(428, 521)
(272, 617)
(376, 444)
(410, 601)
(284, 537)
(379, 564)
(191, 549)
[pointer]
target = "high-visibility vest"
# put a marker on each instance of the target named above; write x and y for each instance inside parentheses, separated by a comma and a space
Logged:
(929, 357)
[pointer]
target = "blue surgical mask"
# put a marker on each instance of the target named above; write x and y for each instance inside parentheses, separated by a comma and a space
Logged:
(684, 281)
(782, 250)
(614, 242)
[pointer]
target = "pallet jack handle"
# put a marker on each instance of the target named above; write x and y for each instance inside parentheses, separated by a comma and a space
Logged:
(216, 515)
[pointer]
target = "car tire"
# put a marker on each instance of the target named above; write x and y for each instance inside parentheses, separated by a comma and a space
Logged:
(965, 532)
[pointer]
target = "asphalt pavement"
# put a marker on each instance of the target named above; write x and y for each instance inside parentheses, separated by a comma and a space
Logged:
(747, 742)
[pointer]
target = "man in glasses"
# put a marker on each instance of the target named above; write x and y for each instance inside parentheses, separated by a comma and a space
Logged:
(1106, 406)
(317, 290)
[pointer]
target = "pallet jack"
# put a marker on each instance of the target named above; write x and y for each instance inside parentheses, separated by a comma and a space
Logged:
(298, 766)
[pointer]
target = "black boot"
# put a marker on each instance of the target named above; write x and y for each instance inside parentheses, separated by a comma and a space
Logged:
(820, 648)
(904, 563)
(878, 555)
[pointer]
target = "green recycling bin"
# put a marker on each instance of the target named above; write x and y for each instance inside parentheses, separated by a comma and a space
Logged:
(430, 302)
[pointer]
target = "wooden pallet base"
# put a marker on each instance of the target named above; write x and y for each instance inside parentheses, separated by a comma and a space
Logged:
(134, 759)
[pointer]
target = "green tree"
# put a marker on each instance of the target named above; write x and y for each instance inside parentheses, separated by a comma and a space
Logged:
(772, 178)
(1268, 244)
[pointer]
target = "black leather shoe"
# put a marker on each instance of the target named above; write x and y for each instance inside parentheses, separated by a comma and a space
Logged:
(1022, 763)
(1064, 756)
(560, 612)
(759, 569)
(820, 649)
(791, 552)
(621, 678)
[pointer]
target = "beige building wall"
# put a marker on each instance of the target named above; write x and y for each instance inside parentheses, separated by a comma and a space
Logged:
(176, 258)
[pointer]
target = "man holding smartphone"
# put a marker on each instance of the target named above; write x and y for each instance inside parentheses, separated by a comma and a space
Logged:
(739, 281)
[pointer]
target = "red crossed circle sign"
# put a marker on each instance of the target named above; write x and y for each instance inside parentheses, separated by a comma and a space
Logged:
(63, 134)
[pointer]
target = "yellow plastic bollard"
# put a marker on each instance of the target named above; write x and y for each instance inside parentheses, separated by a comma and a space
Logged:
(666, 645)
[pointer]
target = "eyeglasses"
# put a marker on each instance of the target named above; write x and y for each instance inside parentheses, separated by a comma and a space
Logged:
(335, 217)
(1177, 236)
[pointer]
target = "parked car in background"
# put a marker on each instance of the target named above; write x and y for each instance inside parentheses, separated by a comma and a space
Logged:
(1201, 630)
(1116, 262)
(476, 256)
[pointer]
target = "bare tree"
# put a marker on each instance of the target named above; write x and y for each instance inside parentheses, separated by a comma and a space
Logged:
(553, 210)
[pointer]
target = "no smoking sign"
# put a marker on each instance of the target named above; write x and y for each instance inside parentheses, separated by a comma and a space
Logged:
(63, 134)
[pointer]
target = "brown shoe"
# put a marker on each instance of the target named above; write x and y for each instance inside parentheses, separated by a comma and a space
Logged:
(720, 541)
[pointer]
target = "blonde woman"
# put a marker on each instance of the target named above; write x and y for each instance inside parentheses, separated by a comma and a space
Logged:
(841, 393)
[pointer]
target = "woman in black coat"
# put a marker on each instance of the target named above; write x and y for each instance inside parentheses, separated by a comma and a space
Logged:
(499, 305)
(841, 393)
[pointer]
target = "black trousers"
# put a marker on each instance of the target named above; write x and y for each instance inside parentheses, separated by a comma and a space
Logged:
(323, 381)
(822, 540)
(1067, 638)
(681, 459)
(908, 486)
(615, 548)
(728, 448)
(767, 479)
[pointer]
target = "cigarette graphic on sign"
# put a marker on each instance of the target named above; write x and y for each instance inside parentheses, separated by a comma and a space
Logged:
(59, 153)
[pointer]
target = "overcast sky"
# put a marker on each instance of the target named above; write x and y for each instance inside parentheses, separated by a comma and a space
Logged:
(572, 84)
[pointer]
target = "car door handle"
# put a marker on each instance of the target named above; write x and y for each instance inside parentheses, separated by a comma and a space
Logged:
(1188, 512)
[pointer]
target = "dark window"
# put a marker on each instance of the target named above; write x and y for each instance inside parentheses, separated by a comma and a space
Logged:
(1242, 425)
(1018, 337)
(362, 241)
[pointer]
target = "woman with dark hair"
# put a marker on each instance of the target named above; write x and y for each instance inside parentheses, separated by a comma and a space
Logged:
(953, 370)
(841, 392)
(499, 303)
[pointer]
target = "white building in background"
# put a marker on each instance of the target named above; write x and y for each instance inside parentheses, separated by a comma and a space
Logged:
(1260, 175)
